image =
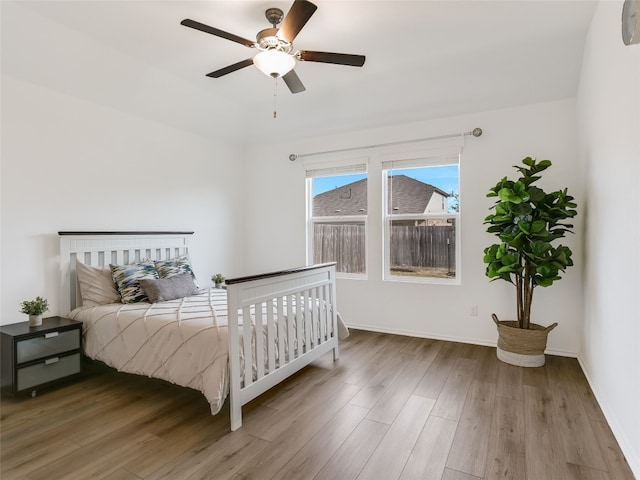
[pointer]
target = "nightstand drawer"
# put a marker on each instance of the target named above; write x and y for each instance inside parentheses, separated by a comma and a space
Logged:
(48, 344)
(48, 370)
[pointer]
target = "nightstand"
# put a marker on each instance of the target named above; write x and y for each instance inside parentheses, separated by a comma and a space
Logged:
(35, 357)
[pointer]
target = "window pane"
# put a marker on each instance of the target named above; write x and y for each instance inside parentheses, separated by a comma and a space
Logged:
(423, 190)
(341, 239)
(421, 212)
(340, 195)
(423, 248)
(340, 242)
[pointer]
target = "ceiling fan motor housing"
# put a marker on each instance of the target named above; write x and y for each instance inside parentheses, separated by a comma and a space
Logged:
(268, 40)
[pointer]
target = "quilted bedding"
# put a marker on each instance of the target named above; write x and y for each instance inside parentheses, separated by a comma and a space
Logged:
(183, 341)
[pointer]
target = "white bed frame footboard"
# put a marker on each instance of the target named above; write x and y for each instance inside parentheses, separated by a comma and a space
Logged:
(292, 312)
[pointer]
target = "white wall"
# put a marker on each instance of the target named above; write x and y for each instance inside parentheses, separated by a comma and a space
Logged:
(609, 120)
(72, 165)
(276, 192)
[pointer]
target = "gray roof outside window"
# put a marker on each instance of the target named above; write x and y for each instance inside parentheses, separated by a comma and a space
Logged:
(409, 196)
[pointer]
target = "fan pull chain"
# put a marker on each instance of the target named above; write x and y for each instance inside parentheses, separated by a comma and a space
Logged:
(275, 93)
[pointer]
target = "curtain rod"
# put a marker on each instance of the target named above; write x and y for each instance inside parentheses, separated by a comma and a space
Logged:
(476, 132)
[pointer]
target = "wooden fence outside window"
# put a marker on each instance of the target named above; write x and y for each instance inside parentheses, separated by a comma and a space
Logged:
(411, 246)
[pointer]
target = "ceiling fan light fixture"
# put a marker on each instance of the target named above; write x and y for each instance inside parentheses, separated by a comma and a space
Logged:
(274, 63)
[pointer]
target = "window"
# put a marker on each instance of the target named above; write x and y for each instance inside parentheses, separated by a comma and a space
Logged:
(422, 214)
(337, 218)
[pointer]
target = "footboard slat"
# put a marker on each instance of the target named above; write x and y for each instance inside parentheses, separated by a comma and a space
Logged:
(322, 316)
(306, 318)
(315, 318)
(293, 315)
(260, 341)
(246, 346)
(282, 333)
(299, 324)
(272, 341)
(291, 331)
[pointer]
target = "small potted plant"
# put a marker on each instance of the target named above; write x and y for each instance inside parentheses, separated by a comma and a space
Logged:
(218, 280)
(527, 221)
(35, 309)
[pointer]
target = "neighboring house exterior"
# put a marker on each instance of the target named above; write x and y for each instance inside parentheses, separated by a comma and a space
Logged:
(406, 196)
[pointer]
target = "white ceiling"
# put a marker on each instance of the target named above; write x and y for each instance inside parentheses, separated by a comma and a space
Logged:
(425, 59)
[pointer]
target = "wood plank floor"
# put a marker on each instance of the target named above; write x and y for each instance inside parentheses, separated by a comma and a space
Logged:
(391, 408)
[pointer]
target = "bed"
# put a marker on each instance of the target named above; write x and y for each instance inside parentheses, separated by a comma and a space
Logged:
(203, 338)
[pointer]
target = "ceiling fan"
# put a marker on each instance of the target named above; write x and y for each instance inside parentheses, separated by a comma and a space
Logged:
(277, 57)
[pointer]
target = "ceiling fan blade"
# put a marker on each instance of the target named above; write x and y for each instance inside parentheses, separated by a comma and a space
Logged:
(187, 22)
(293, 82)
(298, 15)
(336, 58)
(231, 68)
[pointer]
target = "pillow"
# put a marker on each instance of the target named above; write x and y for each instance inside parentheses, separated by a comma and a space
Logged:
(175, 266)
(127, 279)
(169, 288)
(96, 285)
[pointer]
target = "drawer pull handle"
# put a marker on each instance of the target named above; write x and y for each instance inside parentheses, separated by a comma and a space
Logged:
(51, 334)
(49, 361)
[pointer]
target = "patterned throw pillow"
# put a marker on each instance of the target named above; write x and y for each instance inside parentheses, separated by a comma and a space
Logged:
(96, 285)
(127, 279)
(175, 266)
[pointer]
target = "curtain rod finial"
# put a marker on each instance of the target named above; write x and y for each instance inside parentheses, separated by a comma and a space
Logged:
(476, 132)
(293, 157)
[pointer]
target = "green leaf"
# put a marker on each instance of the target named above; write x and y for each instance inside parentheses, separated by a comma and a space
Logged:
(536, 194)
(507, 195)
(539, 248)
(525, 227)
(509, 258)
(502, 209)
(545, 282)
(538, 226)
(520, 190)
(546, 270)
(544, 164)
(492, 271)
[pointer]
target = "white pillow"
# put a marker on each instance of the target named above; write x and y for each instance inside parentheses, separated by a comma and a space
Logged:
(96, 285)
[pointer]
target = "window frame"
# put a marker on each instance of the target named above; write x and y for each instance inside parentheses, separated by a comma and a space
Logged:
(332, 171)
(387, 219)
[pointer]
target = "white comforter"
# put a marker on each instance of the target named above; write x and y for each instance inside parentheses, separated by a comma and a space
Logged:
(182, 341)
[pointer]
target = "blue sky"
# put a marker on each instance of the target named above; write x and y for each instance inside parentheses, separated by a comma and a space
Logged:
(444, 177)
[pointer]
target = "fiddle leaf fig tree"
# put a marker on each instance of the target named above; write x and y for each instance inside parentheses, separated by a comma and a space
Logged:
(527, 220)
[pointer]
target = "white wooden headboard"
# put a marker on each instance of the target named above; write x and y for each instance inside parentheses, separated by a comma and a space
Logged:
(103, 248)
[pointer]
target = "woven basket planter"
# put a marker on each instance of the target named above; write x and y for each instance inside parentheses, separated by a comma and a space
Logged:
(519, 346)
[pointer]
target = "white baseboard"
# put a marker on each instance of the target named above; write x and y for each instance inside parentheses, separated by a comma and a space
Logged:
(632, 456)
(448, 338)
